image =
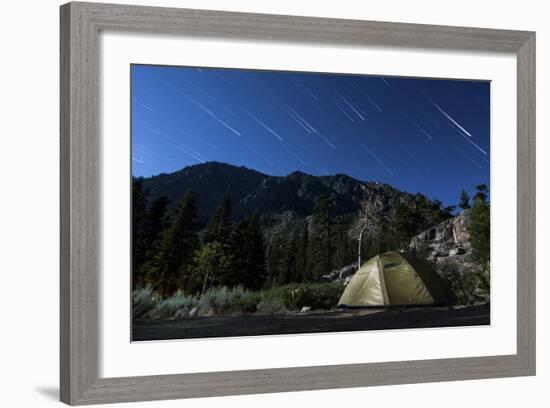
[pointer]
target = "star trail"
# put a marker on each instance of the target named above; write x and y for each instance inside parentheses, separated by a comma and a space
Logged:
(418, 135)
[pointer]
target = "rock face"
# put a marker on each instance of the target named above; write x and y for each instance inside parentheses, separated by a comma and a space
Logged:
(447, 242)
(342, 275)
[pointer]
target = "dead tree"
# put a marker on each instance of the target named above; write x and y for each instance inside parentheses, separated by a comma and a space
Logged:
(363, 217)
(363, 225)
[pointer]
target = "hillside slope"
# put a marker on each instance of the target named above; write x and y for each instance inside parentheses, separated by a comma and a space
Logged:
(251, 190)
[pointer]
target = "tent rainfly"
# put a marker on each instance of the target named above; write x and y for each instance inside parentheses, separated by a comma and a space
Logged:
(394, 279)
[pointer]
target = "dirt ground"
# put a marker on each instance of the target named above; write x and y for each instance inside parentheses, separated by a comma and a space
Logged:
(312, 322)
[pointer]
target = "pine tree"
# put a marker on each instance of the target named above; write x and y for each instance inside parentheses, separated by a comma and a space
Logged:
(155, 217)
(147, 225)
(256, 243)
(155, 224)
(403, 225)
(219, 226)
(248, 254)
(302, 261)
(173, 259)
(283, 259)
(482, 193)
(293, 273)
(447, 212)
(479, 227)
(385, 236)
(436, 216)
(139, 220)
(321, 242)
(220, 229)
(344, 243)
(274, 259)
(464, 200)
(382, 241)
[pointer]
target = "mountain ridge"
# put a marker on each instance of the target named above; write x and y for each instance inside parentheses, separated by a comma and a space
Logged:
(251, 190)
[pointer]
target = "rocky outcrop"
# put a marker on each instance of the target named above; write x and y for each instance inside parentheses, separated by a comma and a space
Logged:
(447, 242)
(342, 275)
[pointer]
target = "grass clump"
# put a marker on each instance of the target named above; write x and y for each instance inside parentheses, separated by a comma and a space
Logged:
(321, 296)
(271, 305)
(179, 302)
(223, 300)
(246, 301)
(144, 300)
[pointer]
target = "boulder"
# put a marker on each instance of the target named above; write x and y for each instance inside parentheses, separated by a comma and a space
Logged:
(194, 312)
(339, 275)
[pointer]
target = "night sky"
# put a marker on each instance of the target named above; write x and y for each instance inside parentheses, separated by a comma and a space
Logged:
(419, 135)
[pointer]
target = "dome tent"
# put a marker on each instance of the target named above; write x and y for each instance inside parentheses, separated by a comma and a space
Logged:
(394, 279)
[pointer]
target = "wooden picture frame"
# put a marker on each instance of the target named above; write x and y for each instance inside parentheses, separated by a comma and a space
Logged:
(80, 154)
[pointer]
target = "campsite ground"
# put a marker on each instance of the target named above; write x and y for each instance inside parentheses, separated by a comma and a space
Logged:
(312, 322)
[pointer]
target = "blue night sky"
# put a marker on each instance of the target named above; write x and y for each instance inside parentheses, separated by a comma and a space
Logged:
(418, 135)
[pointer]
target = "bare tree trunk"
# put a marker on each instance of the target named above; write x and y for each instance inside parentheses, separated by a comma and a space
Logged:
(360, 241)
(329, 255)
(205, 280)
(359, 244)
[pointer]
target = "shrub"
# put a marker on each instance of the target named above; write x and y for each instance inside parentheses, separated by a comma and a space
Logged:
(479, 227)
(167, 308)
(482, 292)
(217, 299)
(470, 287)
(245, 301)
(323, 296)
(222, 300)
(144, 301)
(296, 297)
(271, 305)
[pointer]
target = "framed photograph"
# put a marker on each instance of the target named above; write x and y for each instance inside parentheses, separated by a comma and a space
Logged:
(356, 197)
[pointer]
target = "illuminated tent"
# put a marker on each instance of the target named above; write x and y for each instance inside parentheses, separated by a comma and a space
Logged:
(394, 279)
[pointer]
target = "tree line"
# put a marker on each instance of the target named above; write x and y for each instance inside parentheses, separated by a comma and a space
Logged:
(173, 251)
(170, 254)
